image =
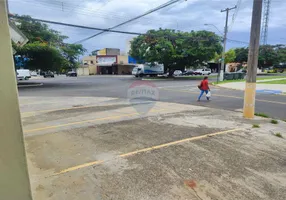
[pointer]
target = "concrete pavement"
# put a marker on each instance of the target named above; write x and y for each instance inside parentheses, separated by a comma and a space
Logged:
(109, 148)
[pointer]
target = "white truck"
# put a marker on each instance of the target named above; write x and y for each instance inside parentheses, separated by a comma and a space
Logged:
(148, 69)
(23, 74)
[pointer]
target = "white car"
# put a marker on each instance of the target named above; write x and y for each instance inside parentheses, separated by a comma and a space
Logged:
(23, 74)
(203, 72)
(177, 73)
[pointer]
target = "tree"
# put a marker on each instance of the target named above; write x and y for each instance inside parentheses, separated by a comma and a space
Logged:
(46, 49)
(241, 55)
(38, 32)
(41, 56)
(71, 53)
(268, 56)
(230, 56)
(281, 53)
(175, 49)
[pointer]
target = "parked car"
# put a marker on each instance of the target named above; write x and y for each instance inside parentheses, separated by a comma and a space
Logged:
(188, 73)
(177, 73)
(202, 72)
(48, 74)
(71, 74)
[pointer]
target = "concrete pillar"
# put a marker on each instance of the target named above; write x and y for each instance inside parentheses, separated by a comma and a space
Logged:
(14, 179)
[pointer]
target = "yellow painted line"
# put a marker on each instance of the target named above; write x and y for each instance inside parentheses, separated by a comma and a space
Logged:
(146, 150)
(87, 121)
(228, 96)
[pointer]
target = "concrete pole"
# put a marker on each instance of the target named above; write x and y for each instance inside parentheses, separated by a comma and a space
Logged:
(14, 179)
(250, 87)
(224, 42)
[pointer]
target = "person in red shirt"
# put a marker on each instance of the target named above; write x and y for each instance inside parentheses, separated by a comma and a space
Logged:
(204, 87)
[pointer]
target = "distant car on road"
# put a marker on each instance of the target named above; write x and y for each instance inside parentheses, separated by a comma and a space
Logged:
(177, 73)
(188, 73)
(23, 74)
(71, 74)
(48, 74)
(202, 72)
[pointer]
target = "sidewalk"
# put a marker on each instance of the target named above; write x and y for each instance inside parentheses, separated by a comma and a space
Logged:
(260, 87)
(103, 148)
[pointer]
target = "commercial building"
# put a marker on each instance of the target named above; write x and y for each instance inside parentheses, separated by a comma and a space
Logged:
(108, 61)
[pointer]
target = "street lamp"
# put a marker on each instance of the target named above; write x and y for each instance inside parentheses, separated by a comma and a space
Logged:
(220, 60)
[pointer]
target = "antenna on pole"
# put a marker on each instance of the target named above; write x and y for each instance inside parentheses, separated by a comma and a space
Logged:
(265, 20)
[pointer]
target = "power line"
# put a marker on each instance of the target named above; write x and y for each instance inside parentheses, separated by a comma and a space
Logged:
(117, 31)
(73, 25)
(88, 12)
(235, 14)
(133, 19)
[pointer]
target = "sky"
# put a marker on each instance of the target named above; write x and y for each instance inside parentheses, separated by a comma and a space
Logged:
(186, 15)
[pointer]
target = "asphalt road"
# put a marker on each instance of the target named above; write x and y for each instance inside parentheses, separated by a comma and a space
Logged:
(177, 91)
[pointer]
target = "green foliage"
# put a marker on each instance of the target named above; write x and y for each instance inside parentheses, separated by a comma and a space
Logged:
(261, 115)
(269, 55)
(230, 56)
(46, 49)
(273, 121)
(255, 126)
(41, 56)
(71, 53)
(37, 31)
(241, 55)
(174, 49)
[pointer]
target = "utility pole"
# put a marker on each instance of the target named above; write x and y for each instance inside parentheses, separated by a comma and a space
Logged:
(250, 86)
(14, 181)
(224, 41)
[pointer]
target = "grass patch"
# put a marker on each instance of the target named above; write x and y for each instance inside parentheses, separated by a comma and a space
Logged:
(273, 121)
(261, 115)
(284, 120)
(278, 135)
(255, 126)
(270, 77)
(274, 82)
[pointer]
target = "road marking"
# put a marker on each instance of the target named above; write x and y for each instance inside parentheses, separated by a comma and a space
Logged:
(228, 96)
(87, 121)
(146, 150)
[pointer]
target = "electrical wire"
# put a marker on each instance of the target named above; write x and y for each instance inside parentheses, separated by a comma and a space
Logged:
(122, 32)
(238, 4)
(73, 8)
(133, 19)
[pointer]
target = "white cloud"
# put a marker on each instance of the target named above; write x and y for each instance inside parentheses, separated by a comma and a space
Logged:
(185, 15)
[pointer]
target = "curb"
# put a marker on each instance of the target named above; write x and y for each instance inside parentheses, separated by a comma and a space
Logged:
(31, 85)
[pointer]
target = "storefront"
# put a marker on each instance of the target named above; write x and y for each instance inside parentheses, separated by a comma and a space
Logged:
(106, 64)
